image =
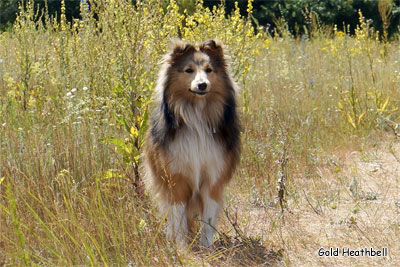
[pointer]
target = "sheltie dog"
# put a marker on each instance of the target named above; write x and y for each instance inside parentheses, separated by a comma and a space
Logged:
(193, 142)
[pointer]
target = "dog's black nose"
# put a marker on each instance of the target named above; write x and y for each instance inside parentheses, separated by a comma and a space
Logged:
(202, 86)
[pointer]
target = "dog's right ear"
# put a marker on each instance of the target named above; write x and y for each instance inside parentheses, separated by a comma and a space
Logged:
(179, 47)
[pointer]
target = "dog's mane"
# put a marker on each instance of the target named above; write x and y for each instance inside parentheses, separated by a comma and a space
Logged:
(165, 120)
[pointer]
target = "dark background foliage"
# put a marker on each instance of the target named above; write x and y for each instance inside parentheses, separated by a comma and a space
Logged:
(9, 9)
(266, 12)
(329, 12)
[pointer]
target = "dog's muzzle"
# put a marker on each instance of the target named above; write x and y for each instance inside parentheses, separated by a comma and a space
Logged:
(201, 89)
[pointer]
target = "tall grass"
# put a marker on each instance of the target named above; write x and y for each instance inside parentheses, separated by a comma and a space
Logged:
(74, 100)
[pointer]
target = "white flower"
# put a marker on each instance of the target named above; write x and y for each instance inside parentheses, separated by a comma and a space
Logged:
(69, 94)
(84, 88)
(73, 90)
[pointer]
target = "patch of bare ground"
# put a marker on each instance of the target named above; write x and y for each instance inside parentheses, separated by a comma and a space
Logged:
(352, 203)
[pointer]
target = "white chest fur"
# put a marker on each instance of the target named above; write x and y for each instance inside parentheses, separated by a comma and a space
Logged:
(195, 149)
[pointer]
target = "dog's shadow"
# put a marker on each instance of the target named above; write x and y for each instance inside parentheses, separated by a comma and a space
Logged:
(238, 249)
(243, 251)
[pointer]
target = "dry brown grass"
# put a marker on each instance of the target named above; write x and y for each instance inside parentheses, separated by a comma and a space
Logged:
(352, 202)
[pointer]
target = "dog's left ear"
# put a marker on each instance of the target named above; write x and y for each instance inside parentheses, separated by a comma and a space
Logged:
(213, 45)
(214, 49)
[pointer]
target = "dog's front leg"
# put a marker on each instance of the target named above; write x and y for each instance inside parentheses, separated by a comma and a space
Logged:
(177, 223)
(209, 219)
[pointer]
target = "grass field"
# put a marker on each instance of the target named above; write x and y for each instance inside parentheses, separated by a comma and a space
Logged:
(320, 165)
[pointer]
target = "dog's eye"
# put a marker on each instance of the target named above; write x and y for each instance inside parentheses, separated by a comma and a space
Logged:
(208, 70)
(189, 71)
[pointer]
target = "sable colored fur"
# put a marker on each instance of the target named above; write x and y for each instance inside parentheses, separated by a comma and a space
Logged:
(193, 144)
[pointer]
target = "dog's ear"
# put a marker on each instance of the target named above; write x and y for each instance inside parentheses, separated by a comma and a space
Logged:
(214, 46)
(179, 47)
(214, 49)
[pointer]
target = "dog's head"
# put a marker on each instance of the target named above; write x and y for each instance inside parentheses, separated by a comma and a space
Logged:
(196, 70)
(194, 86)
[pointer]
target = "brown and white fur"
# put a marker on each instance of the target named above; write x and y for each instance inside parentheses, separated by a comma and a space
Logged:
(193, 143)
